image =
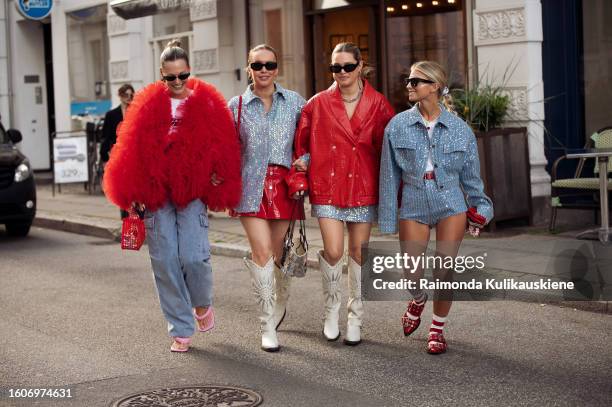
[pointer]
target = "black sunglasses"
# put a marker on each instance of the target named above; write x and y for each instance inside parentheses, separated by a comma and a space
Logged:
(171, 78)
(258, 66)
(414, 82)
(336, 68)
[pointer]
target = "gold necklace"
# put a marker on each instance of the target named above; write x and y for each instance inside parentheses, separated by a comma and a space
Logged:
(356, 98)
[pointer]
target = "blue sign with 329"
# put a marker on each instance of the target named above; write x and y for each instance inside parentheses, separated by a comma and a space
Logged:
(35, 9)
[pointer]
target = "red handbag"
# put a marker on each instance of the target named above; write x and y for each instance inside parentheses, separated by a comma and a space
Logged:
(132, 231)
(475, 217)
(475, 221)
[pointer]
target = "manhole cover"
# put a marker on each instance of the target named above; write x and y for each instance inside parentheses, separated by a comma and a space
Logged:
(192, 396)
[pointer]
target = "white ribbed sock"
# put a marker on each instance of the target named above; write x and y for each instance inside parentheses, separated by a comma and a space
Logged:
(437, 324)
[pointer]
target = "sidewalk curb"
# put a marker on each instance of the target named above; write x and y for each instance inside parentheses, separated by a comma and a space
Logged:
(240, 251)
(65, 225)
(76, 227)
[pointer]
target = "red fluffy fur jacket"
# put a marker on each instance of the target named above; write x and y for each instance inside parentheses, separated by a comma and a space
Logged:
(145, 167)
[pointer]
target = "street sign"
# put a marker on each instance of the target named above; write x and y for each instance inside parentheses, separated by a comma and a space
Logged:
(35, 9)
(95, 108)
(70, 159)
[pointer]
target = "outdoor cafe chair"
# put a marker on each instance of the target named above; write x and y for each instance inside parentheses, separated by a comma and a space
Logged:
(580, 192)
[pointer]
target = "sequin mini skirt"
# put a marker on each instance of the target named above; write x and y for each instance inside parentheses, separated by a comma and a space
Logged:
(358, 214)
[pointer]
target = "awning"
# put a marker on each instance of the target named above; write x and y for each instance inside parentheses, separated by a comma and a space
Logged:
(127, 9)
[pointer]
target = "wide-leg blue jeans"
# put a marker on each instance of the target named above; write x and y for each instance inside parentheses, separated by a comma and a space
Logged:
(180, 257)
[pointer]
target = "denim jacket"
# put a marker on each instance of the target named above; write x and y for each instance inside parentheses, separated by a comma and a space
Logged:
(454, 151)
(266, 138)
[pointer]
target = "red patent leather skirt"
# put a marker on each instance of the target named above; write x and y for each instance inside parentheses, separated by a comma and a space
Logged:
(275, 200)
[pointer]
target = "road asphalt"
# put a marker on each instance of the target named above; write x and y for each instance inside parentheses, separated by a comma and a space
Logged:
(521, 253)
(80, 313)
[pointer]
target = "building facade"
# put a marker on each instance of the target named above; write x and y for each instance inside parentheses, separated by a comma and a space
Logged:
(55, 71)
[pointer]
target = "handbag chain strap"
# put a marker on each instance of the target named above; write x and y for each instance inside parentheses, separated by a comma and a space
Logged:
(303, 240)
(288, 241)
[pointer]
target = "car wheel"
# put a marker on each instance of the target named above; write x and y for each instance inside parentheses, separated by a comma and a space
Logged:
(19, 229)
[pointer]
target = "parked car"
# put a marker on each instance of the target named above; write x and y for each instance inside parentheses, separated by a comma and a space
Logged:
(17, 187)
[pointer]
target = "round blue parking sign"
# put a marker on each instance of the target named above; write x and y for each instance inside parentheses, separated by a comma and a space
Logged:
(35, 9)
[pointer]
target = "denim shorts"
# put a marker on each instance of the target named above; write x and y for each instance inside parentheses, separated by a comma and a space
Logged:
(429, 205)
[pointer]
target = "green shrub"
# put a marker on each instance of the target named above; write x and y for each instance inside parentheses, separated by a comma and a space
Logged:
(482, 107)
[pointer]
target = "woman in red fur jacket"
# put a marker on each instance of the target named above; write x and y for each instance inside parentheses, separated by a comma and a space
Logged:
(177, 153)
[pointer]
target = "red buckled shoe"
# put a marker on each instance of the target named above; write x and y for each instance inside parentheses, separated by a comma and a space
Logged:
(436, 343)
(410, 325)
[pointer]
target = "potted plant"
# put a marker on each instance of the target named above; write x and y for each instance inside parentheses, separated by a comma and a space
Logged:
(482, 107)
(504, 156)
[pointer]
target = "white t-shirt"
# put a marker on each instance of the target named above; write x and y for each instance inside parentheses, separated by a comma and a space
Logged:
(176, 119)
(430, 130)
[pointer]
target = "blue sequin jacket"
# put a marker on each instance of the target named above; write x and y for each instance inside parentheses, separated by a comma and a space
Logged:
(266, 138)
(406, 146)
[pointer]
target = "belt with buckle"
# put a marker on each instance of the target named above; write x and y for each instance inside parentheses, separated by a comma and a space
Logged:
(429, 175)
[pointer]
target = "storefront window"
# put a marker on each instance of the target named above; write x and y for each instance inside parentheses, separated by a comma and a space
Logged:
(597, 34)
(88, 56)
(325, 4)
(350, 25)
(424, 30)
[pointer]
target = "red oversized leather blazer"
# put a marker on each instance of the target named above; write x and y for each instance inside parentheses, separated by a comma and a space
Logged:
(344, 154)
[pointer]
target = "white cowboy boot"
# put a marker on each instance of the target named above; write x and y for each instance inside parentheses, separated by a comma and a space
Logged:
(283, 283)
(263, 283)
(330, 276)
(354, 305)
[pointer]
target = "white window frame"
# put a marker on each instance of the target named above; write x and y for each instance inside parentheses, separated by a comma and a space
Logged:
(167, 38)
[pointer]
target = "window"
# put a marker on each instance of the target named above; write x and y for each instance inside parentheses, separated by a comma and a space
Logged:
(169, 26)
(428, 32)
(597, 36)
(274, 33)
(88, 54)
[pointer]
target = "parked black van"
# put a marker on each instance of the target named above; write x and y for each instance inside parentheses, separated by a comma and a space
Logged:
(17, 187)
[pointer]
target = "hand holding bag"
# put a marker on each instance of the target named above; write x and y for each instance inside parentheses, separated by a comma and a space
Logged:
(132, 231)
(475, 222)
(293, 261)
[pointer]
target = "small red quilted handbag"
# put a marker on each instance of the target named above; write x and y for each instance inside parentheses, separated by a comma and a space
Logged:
(132, 231)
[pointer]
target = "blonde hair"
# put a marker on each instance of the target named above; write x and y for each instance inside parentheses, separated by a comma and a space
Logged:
(434, 72)
(353, 49)
(255, 49)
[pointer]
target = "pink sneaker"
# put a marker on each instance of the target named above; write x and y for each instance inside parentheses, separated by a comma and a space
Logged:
(205, 322)
(180, 344)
